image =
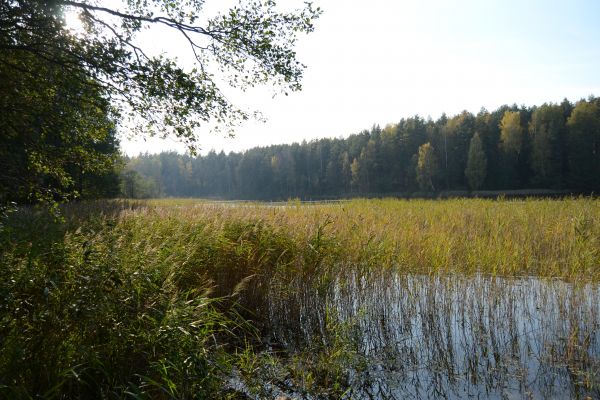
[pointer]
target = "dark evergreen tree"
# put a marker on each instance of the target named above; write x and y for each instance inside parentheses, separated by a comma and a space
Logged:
(584, 145)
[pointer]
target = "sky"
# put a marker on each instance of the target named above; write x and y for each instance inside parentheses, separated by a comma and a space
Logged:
(379, 61)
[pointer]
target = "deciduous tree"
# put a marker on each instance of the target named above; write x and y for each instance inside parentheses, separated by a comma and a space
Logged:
(57, 136)
(427, 167)
(511, 133)
(251, 43)
(476, 163)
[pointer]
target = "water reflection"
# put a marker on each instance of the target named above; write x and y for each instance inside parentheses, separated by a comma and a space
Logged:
(454, 336)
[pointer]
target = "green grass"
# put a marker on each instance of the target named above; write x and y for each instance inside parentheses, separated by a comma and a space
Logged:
(161, 299)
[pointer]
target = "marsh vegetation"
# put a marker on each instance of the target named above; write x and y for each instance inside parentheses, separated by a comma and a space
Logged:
(360, 299)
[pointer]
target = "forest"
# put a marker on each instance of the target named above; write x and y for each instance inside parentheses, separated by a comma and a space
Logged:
(552, 146)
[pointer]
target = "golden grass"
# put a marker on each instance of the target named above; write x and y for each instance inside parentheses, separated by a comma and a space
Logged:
(546, 238)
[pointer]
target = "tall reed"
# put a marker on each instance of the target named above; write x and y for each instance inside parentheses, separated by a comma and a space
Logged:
(162, 298)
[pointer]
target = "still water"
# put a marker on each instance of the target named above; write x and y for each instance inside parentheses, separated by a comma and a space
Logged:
(452, 337)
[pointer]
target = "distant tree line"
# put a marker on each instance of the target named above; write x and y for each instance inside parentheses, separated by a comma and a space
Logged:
(553, 146)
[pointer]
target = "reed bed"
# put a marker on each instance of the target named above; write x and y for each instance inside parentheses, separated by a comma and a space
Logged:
(171, 298)
(545, 238)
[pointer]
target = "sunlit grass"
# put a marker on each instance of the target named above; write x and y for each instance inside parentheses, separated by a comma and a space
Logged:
(545, 238)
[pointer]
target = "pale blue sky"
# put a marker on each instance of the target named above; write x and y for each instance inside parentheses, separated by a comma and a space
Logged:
(379, 61)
